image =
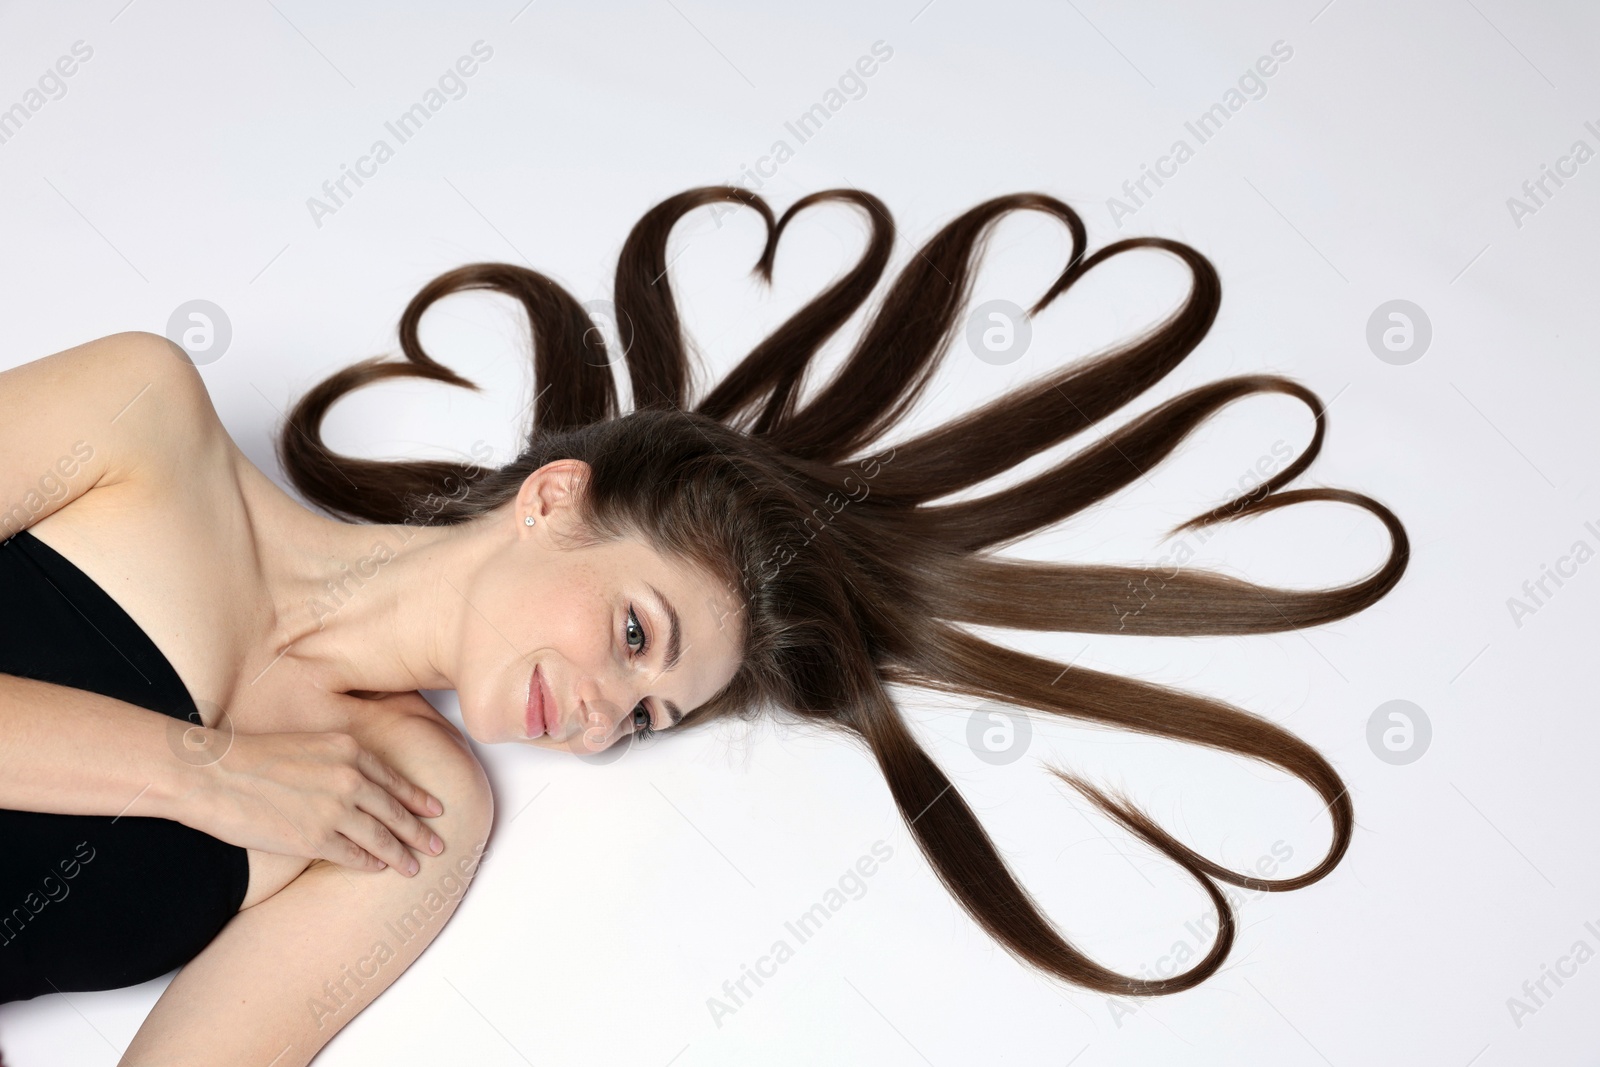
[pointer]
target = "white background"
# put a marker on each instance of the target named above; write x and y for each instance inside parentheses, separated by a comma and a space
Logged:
(617, 899)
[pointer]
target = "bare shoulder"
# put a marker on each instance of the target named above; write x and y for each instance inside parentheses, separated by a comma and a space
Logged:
(96, 414)
(428, 748)
(286, 975)
(185, 421)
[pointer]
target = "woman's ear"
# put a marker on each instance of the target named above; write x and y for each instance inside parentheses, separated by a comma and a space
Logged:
(556, 485)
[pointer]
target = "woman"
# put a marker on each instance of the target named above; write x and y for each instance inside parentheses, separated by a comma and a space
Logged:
(623, 576)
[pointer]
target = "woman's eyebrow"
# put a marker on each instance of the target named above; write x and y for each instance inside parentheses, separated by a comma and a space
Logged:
(675, 632)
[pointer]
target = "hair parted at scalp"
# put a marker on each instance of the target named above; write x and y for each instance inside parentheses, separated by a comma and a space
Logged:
(848, 579)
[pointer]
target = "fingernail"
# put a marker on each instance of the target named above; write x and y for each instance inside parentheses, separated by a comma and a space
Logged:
(434, 807)
(435, 845)
(411, 866)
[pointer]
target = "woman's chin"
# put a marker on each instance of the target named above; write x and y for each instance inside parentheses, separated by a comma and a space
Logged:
(486, 732)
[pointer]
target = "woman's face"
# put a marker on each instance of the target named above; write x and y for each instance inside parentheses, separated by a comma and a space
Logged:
(617, 637)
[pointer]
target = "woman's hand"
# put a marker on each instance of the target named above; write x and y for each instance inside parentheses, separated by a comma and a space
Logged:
(316, 795)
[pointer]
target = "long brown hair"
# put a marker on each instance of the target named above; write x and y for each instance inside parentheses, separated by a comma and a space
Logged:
(849, 579)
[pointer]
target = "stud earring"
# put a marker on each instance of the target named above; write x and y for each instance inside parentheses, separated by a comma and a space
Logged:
(527, 520)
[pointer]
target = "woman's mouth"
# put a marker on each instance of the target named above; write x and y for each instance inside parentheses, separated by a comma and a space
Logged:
(535, 716)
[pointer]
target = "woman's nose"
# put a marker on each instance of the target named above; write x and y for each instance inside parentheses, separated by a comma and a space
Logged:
(605, 720)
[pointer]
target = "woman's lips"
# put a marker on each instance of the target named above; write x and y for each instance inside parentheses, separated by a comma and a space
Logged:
(535, 716)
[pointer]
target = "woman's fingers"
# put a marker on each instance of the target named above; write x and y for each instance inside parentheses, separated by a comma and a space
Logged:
(351, 854)
(382, 803)
(385, 828)
(375, 839)
(414, 798)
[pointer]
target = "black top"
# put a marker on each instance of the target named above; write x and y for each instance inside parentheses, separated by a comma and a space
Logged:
(97, 901)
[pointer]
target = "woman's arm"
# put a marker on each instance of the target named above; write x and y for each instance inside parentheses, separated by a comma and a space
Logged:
(70, 751)
(74, 752)
(287, 974)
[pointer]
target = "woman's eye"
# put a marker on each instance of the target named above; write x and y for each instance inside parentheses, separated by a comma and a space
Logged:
(641, 721)
(641, 715)
(633, 624)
